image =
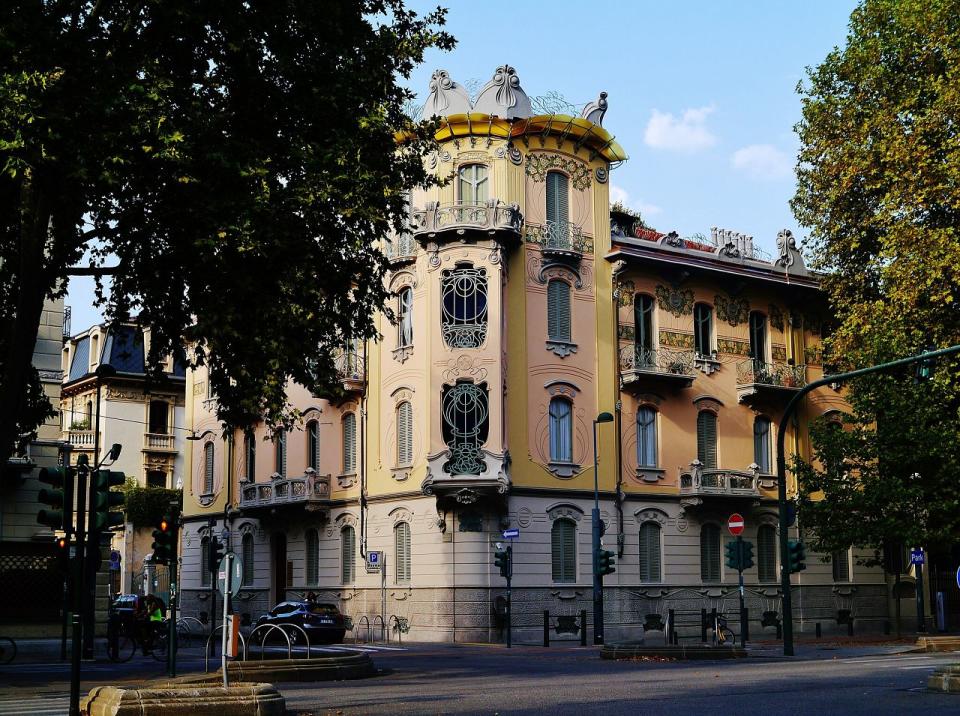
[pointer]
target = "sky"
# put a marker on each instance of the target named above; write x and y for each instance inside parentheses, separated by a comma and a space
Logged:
(702, 96)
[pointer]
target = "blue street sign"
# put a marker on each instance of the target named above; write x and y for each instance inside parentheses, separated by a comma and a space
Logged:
(374, 557)
(916, 556)
(512, 533)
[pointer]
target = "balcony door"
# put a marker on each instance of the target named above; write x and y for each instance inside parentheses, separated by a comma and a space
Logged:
(159, 410)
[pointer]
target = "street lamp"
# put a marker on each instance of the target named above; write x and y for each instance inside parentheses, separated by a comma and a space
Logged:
(595, 524)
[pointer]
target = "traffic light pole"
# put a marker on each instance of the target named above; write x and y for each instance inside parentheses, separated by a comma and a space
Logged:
(68, 498)
(595, 541)
(743, 614)
(509, 596)
(75, 617)
(174, 591)
(790, 409)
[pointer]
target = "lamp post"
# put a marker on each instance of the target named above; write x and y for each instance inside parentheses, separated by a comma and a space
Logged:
(595, 524)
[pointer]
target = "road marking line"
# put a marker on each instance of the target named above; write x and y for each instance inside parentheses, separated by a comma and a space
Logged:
(909, 668)
(884, 660)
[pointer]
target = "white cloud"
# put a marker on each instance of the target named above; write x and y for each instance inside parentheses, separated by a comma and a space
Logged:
(763, 161)
(687, 134)
(618, 194)
(645, 208)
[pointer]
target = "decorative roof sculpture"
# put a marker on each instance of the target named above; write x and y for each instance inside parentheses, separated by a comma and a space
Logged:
(790, 258)
(503, 97)
(446, 96)
(594, 111)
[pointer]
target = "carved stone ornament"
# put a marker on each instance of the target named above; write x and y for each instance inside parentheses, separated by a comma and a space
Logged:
(601, 175)
(776, 317)
(673, 239)
(732, 310)
(568, 511)
(677, 301)
(515, 156)
(539, 163)
(561, 348)
(446, 96)
(790, 257)
(594, 111)
(503, 97)
(401, 354)
(650, 515)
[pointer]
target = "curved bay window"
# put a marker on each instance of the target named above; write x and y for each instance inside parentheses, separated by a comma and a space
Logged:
(466, 414)
(464, 306)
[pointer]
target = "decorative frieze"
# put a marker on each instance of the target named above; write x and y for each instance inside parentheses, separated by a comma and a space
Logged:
(539, 163)
(779, 352)
(677, 301)
(626, 332)
(676, 339)
(732, 310)
(626, 290)
(732, 346)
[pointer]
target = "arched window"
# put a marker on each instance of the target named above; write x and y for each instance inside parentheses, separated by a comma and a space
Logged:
(250, 455)
(312, 557)
(205, 562)
(761, 444)
(710, 553)
(561, 430)
(248, 559)
(563, 547)
(313, 445)
(401, 544)
(841, 565)
(280, 453)
(464, 306)
(650, 552)
(473, 184)
(405, 318)
(703, 329)
(643, 329)
(767, 553)
(558, 207)
(208, 469)
(404, 434)
(758, 337)
(707, 439)
(348, 555)
(558, 310)
(349, 430)
(466, 412)
(646, 437)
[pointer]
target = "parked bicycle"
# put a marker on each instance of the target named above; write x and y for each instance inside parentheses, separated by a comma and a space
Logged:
(123, 643)
(8, 650)
(722, 634)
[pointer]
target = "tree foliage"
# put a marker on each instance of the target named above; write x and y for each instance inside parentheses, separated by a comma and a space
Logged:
(145, 506)
(879, 187)
(238, 159)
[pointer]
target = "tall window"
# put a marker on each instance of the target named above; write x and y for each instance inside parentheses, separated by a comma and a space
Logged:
(401, 544)
(313, 445)
(841, 566)
(707, 438)
(405, 318)
(650, 552)
(563, 546)
(643, 327)
(349, 430)
(280, 453)
(761, 444)
(156, 478)
(703, 329)
(348, 555)
(558, 211)
(474, 184)
(464, 306)
(466, 414)
(646, 437)
(159, 410)
(561, 430)
(250, 454)
(758, 337)
(90, 425)
(248, 563)
(767, 553)
(710, 553)
(205, 562)
(312, 557)
(208, 469)
(404, 434)
(558, 310)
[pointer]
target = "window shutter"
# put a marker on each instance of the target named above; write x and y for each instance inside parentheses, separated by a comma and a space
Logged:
(707, 439)
(841, 566)
(314, 447)
(208, 468)
(401, 534)
(767, 554)
(563, 538)
(558, 310)
(347, 555)
(557, 201)
(404, 434)
(248, 560)
(205, 562)
(349, 443)
(313, 557)
(710, 553)
(650, 552)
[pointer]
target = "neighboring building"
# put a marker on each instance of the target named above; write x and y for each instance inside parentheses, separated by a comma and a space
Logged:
(145, 417)
(525, 309)
(27, 552)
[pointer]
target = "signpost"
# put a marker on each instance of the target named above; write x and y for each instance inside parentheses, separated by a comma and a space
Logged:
(735, 525)
(512, 533)
(917, 559)
(377, 562)
(229, 579)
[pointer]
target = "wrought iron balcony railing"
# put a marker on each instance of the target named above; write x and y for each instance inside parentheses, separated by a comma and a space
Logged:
(306, 489)
(350, 368)
(700, 481)
(558, 237)
(158, 441)
(401, 248)
(776, 375)
(664, 360)
(492, 216)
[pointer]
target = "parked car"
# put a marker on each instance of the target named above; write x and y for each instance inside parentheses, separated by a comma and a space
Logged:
(322, 622)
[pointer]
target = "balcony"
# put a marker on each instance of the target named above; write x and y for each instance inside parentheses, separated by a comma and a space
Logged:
(401, 249)
(558, 240)
(698, 484)
(80, 439)
(456, 219)
(311, 491)
(640, 368)
(158, 442)
(350, 368)
(758, 381)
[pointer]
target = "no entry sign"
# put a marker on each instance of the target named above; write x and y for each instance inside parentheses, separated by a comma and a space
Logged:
(735, 524)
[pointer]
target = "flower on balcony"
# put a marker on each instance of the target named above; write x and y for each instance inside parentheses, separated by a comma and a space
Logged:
(83, 424)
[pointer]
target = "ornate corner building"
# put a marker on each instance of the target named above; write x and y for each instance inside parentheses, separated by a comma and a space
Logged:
(523, 309)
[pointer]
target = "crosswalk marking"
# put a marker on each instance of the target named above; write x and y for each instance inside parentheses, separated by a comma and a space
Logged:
(886, 659)
(35, 705)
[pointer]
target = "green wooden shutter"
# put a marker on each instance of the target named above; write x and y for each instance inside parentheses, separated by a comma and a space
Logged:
(347, 555)
(841, 566)
(558, 310)
(650, 552)
(404, 434)
(248, 563)
(349, 443)
(707, 439)
(280, 446)
(557, 201)
(401, 535)
(767, 554)
(563, 537)
(710, 553)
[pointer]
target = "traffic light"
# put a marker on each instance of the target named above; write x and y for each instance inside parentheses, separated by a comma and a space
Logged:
(746, 557)
(164, 541)
(732, 557)
(798, 555)
(62, 555)
(605, 562)
(101, 516)
(55, 497)
(923, 370)
(216, 553)
(501, 559)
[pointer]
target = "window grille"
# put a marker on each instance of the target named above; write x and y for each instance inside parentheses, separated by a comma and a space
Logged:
(563, 537)
(208, 469)
(464, 307)
(348, 558)
(707, 439)
(650, 552)
(646, 437)
(710, 553)
(767, 553)
(349, 443)
(761, 444)
(465, 424)
(404, 434)
(558, 310)
(401, 542)
(313, 558)
(561, 430)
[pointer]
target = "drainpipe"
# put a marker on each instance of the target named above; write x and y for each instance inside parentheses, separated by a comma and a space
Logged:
(618, 413)
(363, 454)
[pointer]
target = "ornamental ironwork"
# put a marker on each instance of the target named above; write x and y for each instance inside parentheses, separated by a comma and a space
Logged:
(402, 247)
(465, 423)
(464, 307)
(667, 362)
(457, 217)
(778, 375)
(539, 163)
(559, 237)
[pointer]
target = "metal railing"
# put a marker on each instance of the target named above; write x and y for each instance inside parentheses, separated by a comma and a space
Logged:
(309, 487)
(665, 361)
(779, 375)
(717, 481)
(492, 215)
(349, 365)
(557, 236)
(401, 247)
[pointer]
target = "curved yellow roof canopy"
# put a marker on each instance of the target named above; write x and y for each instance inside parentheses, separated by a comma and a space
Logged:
(562, 126)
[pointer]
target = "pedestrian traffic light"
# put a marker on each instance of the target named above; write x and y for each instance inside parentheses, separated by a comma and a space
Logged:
(216, 553)
(502, 559)
(62, 555)
(798, 555)
(746, 554)
(164, 541)
(101, 516)
(605, 562)
(55, 496)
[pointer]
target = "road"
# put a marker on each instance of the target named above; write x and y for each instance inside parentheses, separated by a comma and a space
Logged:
(463, 679)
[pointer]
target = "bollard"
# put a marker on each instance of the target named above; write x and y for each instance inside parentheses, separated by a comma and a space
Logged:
(703, 625)
(546, 627)
(745, 626)
(583, 627)
(819, 631)
(672, 635)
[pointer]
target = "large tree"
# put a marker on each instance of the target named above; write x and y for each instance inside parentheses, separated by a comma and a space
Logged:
(879, 187)
(237, 159)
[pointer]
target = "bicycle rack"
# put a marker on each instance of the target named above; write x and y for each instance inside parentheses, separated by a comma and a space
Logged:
(269, 628)
(395, 622)
(383, 627)
(360, 621)
(206, 649)
(306, 637)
